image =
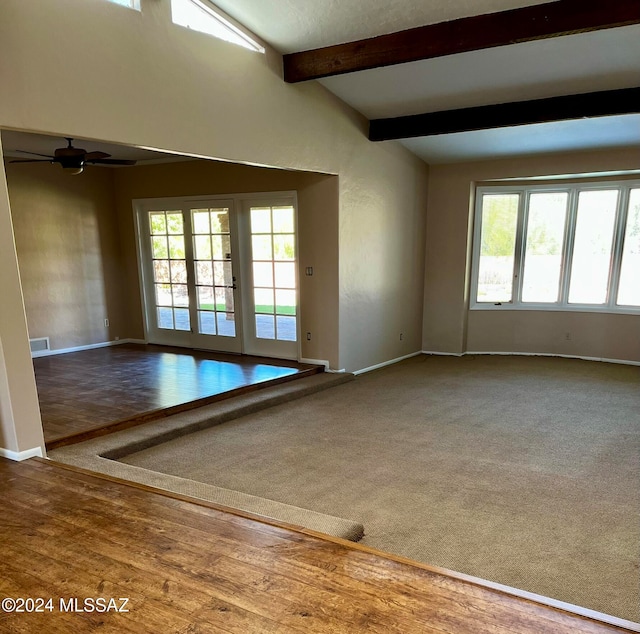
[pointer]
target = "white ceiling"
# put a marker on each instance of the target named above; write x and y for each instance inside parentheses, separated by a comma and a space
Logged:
(602, 60)
(300, 25)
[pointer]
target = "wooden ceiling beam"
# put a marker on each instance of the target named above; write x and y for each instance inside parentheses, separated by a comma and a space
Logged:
(552, 19)
(593, 104)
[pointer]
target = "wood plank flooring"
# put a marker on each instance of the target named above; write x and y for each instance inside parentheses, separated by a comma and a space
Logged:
(188, 567)
(86, 390)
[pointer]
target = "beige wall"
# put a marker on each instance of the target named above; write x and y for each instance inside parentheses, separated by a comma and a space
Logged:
(166, 87)
(317, 233)
(69, 231)
(448, 324)
(68, 245)
(20, 426)
(94, 70)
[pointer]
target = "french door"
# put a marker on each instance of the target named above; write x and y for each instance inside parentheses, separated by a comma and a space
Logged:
(270, 299)
(221, 274)
(189, 264)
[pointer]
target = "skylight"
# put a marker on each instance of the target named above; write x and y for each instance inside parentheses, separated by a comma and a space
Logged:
(131, 4)
(201, 16)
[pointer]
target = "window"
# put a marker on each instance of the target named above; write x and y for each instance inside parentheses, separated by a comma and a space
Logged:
(202, 16)
(131, 4)
(568, 247)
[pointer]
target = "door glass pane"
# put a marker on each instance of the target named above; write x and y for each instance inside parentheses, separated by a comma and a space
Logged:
(180, 295)
(200, 221)
(204, 273)
(221, 247)
(176, 247)
(202, 247)
(206, 322)
(161, 271)
(274, 272)
(169, 270)
(164, 296)
(223, 273)
(260, 220)
(175, 223)
(283, 220)
(285, 302)
(159, 249)
(592, 249)
(261, 247)
(263, 274)
(179, 271)
(181, 317)
(158, 223)
(205, 298)
(214, 275)
(285, 274)
(286, 328)
(220, 221)
(544, 242)
(283, 247)
(224, 299)
(497, 247)
(263, 299)
(265, 327)
(226, 324)
(629, 287)
(165, 318)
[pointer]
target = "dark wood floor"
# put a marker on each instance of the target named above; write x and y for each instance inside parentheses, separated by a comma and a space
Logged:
(189, 568)
(86, 390)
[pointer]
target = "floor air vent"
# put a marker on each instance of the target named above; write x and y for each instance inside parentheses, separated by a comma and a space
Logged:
(41, 344)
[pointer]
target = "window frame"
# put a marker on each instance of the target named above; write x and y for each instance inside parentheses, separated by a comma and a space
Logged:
(573, 190)
(241, 35)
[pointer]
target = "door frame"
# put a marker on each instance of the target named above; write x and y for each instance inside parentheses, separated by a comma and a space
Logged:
(240, 248)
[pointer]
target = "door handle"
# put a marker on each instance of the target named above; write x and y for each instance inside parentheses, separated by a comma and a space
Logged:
(231, 286)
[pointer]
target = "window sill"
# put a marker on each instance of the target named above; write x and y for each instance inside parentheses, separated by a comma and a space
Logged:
(578, 308)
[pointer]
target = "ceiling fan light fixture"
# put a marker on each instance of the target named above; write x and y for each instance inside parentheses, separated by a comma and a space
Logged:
(72, 159)
(73, 169)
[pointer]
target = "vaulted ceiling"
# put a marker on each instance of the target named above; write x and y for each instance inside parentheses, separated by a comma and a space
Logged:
(520, 51)
(486, 78)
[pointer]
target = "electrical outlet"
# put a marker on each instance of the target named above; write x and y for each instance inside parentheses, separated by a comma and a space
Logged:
(401, 336)
(567, 336)
(106, 323)
(308, 336)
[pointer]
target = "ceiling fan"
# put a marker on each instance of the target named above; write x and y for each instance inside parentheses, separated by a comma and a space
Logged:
(74, 159)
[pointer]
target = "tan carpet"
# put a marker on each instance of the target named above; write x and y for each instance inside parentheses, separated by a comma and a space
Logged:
(101, 455)
(521, 470)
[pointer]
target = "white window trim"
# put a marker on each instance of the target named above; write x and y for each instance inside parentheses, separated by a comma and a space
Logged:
(131, 4)
(240, 36)
(572, 189)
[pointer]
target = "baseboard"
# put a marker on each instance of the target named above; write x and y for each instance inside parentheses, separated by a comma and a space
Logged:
(18, 456)
(444, 354)
(386, 363)
(532, 354)
(92, 346)
(322, 362)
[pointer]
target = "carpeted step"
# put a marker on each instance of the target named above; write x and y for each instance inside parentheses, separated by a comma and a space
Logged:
(161, 431)
(101, 454)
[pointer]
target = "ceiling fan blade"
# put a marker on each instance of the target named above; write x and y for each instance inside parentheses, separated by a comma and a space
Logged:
(34, 153)
(110, 162)
(91, 156)
(50, 160)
